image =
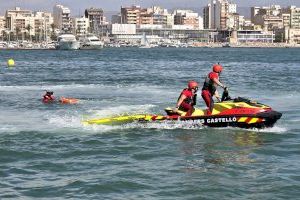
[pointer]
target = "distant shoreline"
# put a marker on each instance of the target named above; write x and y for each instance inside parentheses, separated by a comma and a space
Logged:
(194, 45)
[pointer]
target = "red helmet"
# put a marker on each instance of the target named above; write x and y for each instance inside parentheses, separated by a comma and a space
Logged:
(192, 84)
(217, 68)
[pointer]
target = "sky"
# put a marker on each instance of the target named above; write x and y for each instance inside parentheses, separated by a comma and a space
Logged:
(77, 6)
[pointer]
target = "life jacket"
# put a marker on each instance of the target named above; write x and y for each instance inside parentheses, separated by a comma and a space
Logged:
(48, 99)
(209, 85)
(189, 100)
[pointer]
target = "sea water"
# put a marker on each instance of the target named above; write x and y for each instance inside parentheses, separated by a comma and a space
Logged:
(46, 152)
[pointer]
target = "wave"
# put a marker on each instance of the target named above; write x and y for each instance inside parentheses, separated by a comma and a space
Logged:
(74, 86)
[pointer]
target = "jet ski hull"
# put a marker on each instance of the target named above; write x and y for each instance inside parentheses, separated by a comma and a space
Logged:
(239, 112)
(261, 120)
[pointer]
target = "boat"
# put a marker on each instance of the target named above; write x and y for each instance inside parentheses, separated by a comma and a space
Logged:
(67, 42)
(144, 42)
(91, 42)
(238, 112)
(226, 45)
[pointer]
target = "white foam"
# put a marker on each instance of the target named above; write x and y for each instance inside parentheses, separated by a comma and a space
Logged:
(274, 129)
(168, 125)
(74, 86)
(121, 110)
(165, 125)
(65, 121)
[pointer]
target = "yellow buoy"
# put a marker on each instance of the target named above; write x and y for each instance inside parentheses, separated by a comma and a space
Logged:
(10, 62)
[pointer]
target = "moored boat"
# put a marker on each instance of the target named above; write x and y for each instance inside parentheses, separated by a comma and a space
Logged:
(67, 42)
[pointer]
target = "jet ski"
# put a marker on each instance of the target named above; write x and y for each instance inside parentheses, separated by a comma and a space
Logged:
(238, 112)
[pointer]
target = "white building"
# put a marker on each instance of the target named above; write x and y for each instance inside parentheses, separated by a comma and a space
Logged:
(241, 22)
(188, 18)
(18, 19)
(232, 8)
(2, 23)
(80, 26)
(42, 25)
(26, 23)
(123, 29)
(61, 18)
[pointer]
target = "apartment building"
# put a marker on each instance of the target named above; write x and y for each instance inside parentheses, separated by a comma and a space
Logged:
(80, 26)
(62, 19)
(95, 18)
(219, 12)
(295, 17)
(131, 15)
(25, 22)
(187, 18)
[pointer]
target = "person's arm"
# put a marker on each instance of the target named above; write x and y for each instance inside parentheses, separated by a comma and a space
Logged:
(217, 95)
(180, 100)
(219, 83)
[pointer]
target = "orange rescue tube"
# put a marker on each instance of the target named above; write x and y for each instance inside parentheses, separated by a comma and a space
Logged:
(64, 100)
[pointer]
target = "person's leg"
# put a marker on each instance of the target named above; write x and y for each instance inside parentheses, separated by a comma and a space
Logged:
(188, 108)
(208, 100)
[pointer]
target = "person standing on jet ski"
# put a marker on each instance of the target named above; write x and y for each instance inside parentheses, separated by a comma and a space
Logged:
(187, 99)
(48, 97)
(210, 87)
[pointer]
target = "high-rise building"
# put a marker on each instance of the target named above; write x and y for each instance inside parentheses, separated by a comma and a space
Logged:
(132, 15)
(62, 19)
(219, 13)
(142, 16)
(295, 17)
(159, 15)
(18, 19)
(116, 19)
(232, 8)
(80, 26)
(286, 18)
(2, 23)
(186, 17)
(96, 19)
(207, 17)
(26, 23)
(43, 24)
(269, 18)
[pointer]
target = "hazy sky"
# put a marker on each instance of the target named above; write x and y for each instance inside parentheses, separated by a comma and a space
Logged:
(78, 6)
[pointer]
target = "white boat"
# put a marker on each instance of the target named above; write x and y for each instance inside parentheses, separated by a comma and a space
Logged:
(144, 42)
(67, 42)
(3, 45)
(91, 42)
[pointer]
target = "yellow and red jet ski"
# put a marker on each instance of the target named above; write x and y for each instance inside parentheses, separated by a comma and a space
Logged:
(238, 112)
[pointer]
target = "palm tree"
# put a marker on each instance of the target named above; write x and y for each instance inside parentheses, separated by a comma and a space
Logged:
(3, 33)
(38, 34)
(18, 30)
(53, 36)
(29, 28)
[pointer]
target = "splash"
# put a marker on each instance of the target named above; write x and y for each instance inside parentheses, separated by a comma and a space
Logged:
(274, 129)
(121, 110)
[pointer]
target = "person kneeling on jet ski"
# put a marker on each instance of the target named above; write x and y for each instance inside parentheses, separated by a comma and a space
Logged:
(187, 99)
(210, 87)
(48, 97)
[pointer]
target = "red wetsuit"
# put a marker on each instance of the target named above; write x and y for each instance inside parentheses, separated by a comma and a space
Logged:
(188, 103)
(48, 99)
(209, 90)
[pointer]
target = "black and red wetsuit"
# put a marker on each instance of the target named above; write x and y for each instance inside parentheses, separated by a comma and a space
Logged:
(189, 102)
(209, 89)
(48, 99)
